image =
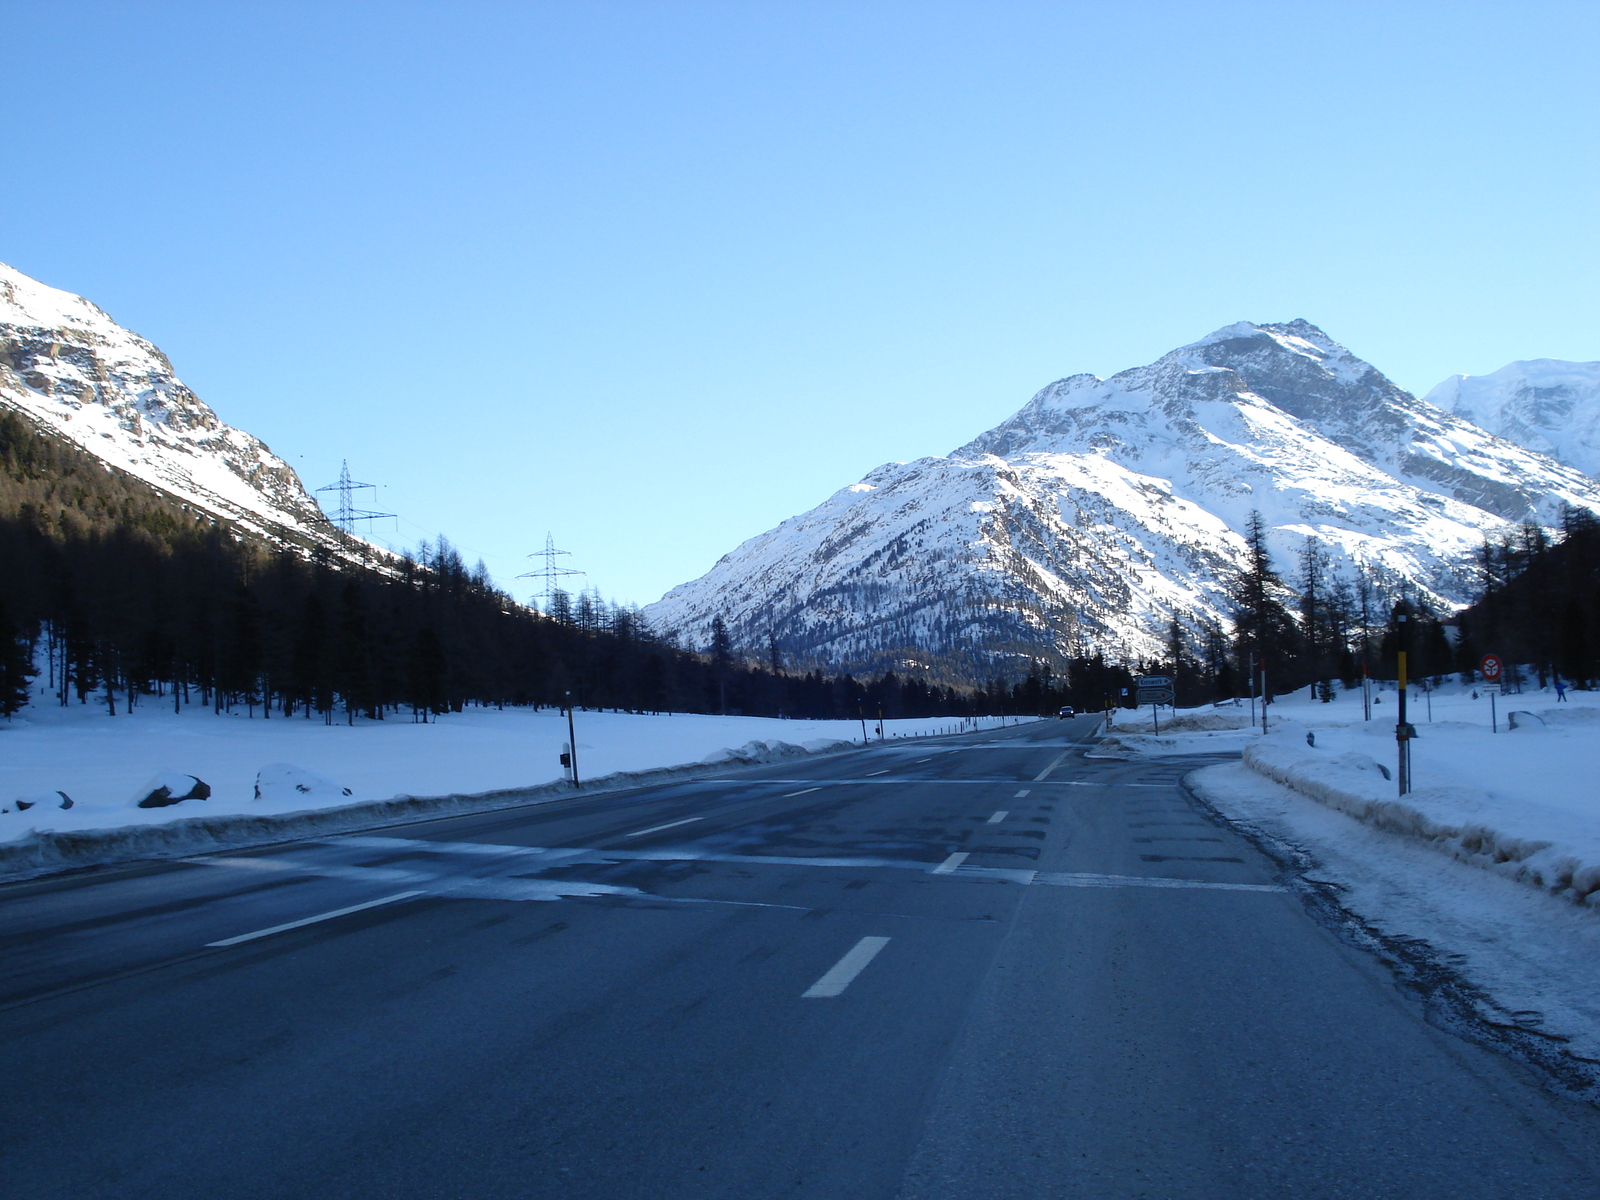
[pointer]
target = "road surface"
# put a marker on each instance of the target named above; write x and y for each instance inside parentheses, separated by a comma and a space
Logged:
(974, 967)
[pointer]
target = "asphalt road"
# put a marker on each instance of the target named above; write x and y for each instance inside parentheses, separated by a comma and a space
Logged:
(981, 967)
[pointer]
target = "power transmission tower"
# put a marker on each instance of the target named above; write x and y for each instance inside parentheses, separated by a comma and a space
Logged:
(348, 513)
(550, 572)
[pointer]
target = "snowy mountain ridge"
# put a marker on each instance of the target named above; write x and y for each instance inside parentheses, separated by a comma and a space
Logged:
(67, 366)
(1544, 404)
(1105, 507)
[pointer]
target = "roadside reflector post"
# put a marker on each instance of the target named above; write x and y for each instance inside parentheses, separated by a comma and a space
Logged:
(1403, 733)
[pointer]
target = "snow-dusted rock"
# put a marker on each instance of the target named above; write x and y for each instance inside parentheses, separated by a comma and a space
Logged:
(1104, 507)
(42, 800)
(286, 782)
(171, 787)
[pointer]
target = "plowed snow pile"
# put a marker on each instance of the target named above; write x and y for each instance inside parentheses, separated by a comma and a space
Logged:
(1522, 801)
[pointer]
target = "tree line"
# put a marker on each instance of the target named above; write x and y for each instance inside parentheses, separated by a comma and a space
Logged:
(114, 593)
(1540, 605)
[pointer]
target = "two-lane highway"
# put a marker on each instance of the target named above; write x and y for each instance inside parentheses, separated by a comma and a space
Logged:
(972, 967)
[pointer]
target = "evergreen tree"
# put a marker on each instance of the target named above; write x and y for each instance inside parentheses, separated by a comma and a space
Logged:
(426, 675)
(16, 665)
(1263, 627)
(560, 607)
(355, 653)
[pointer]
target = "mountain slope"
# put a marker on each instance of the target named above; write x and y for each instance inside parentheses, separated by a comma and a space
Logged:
(1545, 404)
(74, 373)
(1105, 507)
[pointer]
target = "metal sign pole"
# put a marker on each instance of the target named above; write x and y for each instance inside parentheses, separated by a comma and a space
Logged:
(1491, 667)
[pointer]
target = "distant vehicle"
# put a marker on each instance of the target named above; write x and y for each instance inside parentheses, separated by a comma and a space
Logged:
(1067, 711)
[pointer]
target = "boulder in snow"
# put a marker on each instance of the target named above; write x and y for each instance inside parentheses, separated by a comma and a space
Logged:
(285, 781)
(43, 800)
(171, 787)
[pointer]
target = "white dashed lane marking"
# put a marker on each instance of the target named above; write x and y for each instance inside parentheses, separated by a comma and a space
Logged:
(998, 817)
(801, 792)
(659, 828)
(1022, 793)
(841, 974)
(948, 866)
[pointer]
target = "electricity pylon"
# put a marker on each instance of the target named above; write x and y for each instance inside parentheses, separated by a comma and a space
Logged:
(348, 513)
(550, 572)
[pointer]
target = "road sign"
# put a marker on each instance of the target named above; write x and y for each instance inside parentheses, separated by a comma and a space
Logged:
(1154, 681)
(1155, 696)
(1490, 666)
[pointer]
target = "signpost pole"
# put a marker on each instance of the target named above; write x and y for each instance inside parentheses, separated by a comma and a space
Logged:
(573, 734)
(1252, 690)
(1491, 667)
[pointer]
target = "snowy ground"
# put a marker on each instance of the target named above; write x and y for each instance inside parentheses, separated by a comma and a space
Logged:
(1493, 861)
(106, 764)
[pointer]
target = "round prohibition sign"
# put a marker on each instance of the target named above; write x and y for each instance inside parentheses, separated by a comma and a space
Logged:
(1490, 666)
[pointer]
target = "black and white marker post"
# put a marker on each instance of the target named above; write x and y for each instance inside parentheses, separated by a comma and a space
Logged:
(1403, 732)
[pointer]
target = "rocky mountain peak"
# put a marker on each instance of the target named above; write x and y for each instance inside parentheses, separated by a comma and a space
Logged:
(77, 374)
(1548, 405)
(1104, 508)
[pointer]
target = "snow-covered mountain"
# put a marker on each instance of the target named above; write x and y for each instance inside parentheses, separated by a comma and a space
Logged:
(1544, 404)
(78, 375)
(1104, 507)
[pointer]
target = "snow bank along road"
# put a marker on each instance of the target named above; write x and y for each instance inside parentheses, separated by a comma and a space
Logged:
(979, 968)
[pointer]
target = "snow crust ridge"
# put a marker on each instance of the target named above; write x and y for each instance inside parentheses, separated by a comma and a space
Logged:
(1448, 818)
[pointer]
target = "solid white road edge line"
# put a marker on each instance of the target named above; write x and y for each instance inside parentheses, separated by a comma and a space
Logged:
(327, 916)
(949, 865)
(841, 974)
(1000, 815)
(659, 828)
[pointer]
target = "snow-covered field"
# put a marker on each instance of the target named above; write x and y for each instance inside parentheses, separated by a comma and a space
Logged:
(106, 764)
(1493, 860)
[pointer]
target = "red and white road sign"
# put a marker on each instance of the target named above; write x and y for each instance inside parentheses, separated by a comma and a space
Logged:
(1490, 666)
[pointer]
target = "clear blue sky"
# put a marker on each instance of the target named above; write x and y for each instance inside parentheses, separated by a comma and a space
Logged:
(655, 276)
